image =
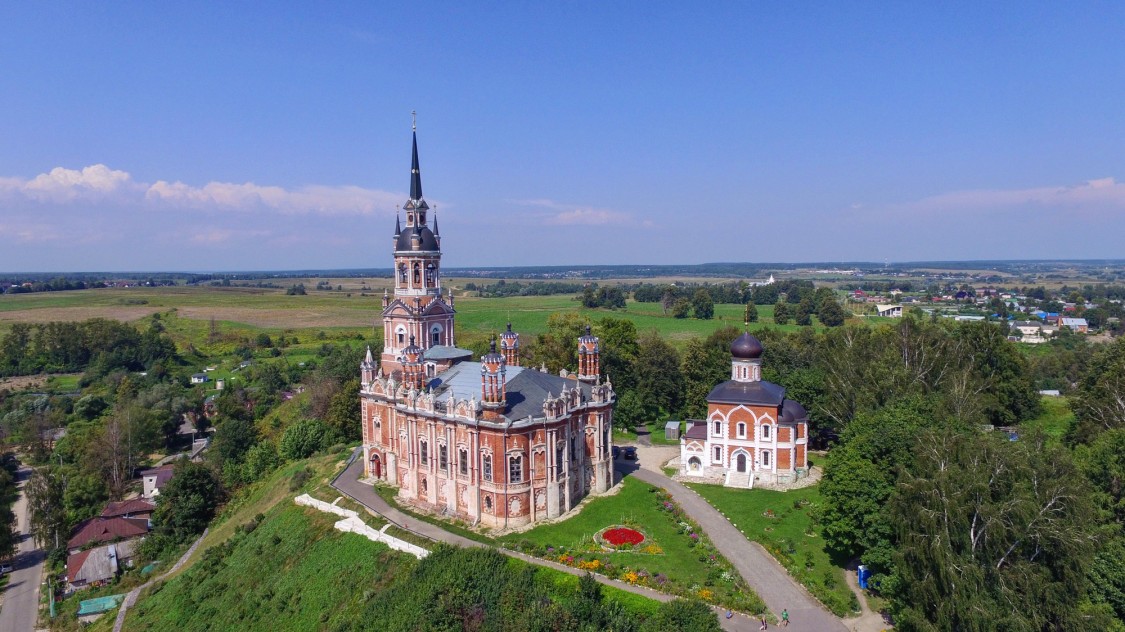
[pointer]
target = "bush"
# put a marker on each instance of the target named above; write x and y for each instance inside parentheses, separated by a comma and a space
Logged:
(305, 438)
(299, 479)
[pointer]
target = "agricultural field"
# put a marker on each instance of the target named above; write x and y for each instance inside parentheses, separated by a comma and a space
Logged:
(247, 311)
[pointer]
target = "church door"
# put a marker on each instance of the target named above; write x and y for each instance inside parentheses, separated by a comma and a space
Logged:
(741, 462)
(376, 466)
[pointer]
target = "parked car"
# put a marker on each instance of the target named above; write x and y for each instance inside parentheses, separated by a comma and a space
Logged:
(616, 452)
(629, 452)
(5, 568)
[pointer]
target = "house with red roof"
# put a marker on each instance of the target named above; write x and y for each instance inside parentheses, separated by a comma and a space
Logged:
(105, 530)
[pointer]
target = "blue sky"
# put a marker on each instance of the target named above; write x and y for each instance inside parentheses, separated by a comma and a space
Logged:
(145, 136)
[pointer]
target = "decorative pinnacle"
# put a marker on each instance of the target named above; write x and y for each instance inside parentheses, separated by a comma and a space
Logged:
(414, 120)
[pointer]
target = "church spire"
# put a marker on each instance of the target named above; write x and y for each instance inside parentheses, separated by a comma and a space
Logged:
(415, 173)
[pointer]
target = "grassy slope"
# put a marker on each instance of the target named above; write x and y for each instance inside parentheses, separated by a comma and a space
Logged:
(1055, 419)
(790, 536)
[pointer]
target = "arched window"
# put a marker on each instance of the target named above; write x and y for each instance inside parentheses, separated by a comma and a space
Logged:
(463, 461)
(765, 458)
(515, 469)
(741, 430)
(417, 273)
(402, 273)
(488, 504)
(765, 432)
(486, 467)
(435, 336)
(400, 334)
(718, 428)
(718, 456)
(424, 452)
(560, 458)
(443, 457)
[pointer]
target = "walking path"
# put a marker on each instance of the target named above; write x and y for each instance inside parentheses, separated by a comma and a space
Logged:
(131, 598)
(765, 575)
(21, 597)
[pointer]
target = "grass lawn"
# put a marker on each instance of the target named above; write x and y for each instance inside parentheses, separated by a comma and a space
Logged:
(789, 534)
(677, 566)
(1055, 419)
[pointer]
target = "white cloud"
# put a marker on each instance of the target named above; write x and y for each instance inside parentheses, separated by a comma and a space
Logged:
(571, 215)
(100, 183)
(1093, 195)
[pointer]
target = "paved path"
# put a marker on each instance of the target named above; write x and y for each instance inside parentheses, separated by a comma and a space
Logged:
(760, 570)
(21, 597)
(131, 598)
(348, 483)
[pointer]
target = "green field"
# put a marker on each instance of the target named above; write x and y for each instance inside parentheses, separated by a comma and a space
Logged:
(783, 524)
(1055, 419)
(241, 312)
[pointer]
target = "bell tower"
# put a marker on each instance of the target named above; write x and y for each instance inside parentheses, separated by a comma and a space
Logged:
(417, 311)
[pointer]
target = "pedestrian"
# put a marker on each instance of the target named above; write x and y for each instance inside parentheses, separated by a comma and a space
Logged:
(784, 618)
(764, 625)
(729, 614)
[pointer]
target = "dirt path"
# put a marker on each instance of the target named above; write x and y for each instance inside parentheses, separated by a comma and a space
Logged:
(131, 598)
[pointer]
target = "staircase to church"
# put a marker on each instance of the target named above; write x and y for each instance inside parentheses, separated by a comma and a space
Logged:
(740, 479)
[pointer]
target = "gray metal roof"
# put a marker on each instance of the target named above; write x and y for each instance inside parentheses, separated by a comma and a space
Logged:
(732, 392)
(526, 390)
(426, 240)
(445, 352)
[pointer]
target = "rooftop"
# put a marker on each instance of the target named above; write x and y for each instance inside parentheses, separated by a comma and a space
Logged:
(526, 390)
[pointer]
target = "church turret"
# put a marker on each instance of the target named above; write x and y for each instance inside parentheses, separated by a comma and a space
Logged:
(589, 357)
(413, 372)
(367, 368)
(493, 378)
(746, 359)
(510, 346)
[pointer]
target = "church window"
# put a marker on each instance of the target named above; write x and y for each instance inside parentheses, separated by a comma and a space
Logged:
(515, 469)
(560, 457)
(488, 504)
(741, 430)
(417, 273)
(765, 458)
(402, 273)
(424, 452)
(718, 458)
(486, 467)
(573, 448)
(400, 333)
(463, 461)
(443, 457)
(718, 428)
(430, 275)
(765, 432)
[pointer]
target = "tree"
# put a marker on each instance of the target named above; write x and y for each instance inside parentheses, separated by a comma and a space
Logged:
(751, 315)
(9, 536)
(188, 501)
(681, 615)
(781, 313)
(343, 412)
(705, 364)
(47, 516)
(1099, 403)
(618, 351)
(703, 305)
(991, 535)
(233, 437)
(305, 437)
(558, 347)
(659, 380)
(830, 313)
(804, 311)
(681, 308)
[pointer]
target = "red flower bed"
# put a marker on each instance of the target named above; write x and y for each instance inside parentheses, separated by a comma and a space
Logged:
(623, 535)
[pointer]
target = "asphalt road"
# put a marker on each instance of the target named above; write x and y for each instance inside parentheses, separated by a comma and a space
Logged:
(21, 598)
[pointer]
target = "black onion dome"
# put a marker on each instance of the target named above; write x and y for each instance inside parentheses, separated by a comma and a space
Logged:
(426, 239)
(492, 357)
(792, 412)
(746, 347)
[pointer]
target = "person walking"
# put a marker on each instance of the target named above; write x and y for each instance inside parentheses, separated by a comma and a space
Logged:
(764, 624)
(784, 618)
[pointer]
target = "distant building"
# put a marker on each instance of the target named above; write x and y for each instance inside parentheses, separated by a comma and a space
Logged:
(155, 479)
(1031, 331)
(1075, 324)
(102, 530)
(98, 565)
(489, 442)
(751, 432)
(199, 378)
(889, 311)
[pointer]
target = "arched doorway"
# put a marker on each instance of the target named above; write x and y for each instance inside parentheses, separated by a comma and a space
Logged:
(376, 466)
(740, 462)
(694, 464)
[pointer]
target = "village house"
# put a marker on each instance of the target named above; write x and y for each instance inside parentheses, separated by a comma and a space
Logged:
(98, 565)
(1075, 324)
(889, 311)
(156, 478)
(752, 432)
(490, 442)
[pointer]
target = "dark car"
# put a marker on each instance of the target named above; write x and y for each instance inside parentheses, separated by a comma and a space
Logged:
(629, 452)
(616, 452)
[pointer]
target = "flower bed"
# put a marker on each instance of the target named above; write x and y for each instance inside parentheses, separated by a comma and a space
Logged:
(622, 536)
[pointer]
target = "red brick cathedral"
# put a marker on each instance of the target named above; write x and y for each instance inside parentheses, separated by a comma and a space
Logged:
(490, 442)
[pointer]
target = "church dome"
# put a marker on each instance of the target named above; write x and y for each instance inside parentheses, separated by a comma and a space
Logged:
(746, 347)
(426, 239)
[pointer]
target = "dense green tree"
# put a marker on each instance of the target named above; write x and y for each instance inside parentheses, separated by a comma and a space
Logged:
(233, 437)
(9, 535)
(343, 412)
(781, 313)
(558, 346)
(992, 535)
(681, 615)
(618, 351)
(830, 313)
(805, 311)
(305, 437)
(659, 380)
(188, 501)
(681, 308)
(260, 460)
(751, 314)
(705, 364)
(1099, 402)
(46, 509)
(702, 305)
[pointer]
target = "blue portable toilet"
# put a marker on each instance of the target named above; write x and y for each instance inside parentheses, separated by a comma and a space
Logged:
(1013, 436)
(863, 575)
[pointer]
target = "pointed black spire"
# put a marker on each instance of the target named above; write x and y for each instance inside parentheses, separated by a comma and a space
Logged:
(436, 231)
(415, 174)
(398, 226)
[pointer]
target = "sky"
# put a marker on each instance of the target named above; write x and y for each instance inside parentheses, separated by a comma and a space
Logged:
(276, 136)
